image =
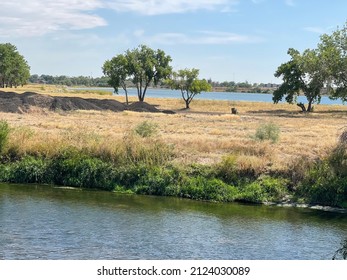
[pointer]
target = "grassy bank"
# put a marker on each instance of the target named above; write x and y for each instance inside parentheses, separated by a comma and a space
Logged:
(150, 171)
(265, 153)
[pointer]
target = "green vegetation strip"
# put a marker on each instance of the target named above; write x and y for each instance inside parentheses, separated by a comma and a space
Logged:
(150, 171)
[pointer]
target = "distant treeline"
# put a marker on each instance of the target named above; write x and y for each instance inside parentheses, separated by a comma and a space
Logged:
(229, 86)
(70, 81)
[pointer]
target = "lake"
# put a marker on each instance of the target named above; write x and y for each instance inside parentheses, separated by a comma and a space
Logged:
(45, 222)
(229, 96)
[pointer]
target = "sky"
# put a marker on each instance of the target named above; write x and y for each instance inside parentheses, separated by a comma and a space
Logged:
(227, 40)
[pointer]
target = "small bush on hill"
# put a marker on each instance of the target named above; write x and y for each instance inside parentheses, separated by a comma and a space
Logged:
(268, 131)
(146, 129)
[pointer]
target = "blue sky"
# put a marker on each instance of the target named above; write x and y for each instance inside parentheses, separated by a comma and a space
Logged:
(241, 40)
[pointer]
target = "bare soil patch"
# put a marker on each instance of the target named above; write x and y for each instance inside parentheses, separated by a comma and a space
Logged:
(11, 102)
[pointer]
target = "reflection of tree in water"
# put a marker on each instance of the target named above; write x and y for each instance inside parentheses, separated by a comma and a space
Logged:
(342, 252)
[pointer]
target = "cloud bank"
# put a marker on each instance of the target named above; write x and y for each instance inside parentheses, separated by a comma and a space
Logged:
(38, 17)
(30, 18)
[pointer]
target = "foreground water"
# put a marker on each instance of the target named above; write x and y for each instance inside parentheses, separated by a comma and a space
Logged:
(42, 222)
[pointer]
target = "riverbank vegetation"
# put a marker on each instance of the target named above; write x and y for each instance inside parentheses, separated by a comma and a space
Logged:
(204, 153)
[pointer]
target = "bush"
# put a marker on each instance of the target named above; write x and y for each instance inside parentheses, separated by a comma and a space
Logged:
(322, 186)
(82, 171)
(4, 131)
(159, 181)
(269, 131)
(264, 189)
(252, 193)
(146, 129)
(28, 170)
(226, 170)
(201, 188)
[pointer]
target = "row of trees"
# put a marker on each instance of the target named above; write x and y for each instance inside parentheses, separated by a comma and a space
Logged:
(144, 66)
(69, 81)
(313, 70)
(14, 69)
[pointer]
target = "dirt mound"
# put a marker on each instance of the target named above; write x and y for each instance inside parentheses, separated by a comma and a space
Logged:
(18, 103)
(12, 102)
(143, 107)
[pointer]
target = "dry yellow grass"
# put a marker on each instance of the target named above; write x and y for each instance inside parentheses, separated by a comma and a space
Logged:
(201, 135)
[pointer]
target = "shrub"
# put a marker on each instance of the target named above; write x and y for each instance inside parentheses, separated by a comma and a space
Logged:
(28, 170)
(82, 171)
(269, 131)
(227, 169)
(146, 129)
(322, 186)
(201, 188)
(237, 170)
(4, 131)
(156, 181)
(274, 188)
(264, 189)
(252, 193)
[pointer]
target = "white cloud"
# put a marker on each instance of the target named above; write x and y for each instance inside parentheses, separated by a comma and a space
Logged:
(39, 17)
(157, 7)
(201, 38)
(30, 18)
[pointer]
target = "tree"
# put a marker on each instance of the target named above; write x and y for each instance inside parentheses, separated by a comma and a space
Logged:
(187, 82)
(305, 74)
(117, 69)
(333, 49)
(14, 69)
(142, 65)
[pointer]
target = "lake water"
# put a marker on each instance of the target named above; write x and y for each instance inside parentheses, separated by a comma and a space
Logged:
(44, 222)
(230, 96)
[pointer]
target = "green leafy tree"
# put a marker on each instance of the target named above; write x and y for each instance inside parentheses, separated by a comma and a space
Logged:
(333, 49)
(187, 82)
(14, 69)
(303, 74)
(117, 69)
(143, 65)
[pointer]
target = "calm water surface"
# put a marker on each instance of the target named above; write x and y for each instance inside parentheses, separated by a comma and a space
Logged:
(42, 222)
(230, 96)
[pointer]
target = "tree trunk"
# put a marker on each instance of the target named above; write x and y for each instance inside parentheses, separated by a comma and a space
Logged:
(187, 103)
(302, 106)
(309, 106)
(126, 97)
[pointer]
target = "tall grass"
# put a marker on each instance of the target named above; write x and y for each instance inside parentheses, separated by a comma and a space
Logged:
(4, 131)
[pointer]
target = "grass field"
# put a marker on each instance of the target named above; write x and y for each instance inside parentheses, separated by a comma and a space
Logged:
(204, 134)
(204, 153)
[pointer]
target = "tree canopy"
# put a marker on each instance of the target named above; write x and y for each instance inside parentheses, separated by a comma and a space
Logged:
(314, 69)
(302, 74)
(333, 50)
(187, 82)
(117, 69)
(143, 65)
(14, 69)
